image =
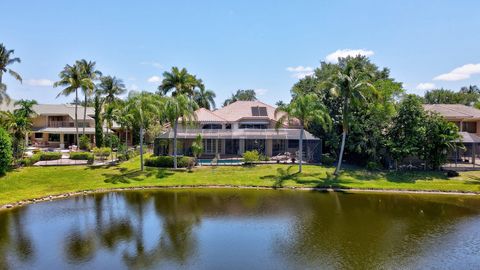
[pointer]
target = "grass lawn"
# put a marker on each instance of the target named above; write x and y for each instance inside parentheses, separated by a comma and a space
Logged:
(34, 182)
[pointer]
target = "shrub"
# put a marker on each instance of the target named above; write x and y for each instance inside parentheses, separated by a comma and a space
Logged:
(373, 166)
(327, 160)
(102, 152)
(263, 157)
(111, 140)
(5, 151)
(251, 156)
(452, 173)
(84, 142)
(82, 156)
(49, 155)
(29, 161)
(167, 162)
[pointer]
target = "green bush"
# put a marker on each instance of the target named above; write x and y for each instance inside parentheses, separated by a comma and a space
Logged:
(29, 161)
(327, 160)
(102, 152)
(49, 155)
(82, 156)
(167, 162)
(251, 156)
(373, 166)
(111, 140)
(5, 151)
(84, 143)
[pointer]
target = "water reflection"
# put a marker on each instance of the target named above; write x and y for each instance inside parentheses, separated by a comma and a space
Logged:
(242, 228)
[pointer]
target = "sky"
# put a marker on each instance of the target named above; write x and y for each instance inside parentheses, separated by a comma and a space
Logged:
(230, 45)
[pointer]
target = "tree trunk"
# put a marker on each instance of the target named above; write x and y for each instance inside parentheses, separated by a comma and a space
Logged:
(175, 144)
(141, 148)
(84, 113)
(126, 136)
(300, 151)
(76, 117)
(339, 165)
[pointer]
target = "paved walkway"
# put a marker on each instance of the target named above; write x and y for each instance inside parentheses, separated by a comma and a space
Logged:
(61, 162)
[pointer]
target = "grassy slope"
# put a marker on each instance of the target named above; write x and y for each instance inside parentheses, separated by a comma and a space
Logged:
(34, 182)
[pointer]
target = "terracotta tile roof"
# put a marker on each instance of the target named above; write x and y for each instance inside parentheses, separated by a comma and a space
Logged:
(451, 111)
(243, 109)
(204, 115)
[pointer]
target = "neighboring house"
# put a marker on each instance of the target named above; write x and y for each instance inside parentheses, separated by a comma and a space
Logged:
(239, 127)
(468, 121)
(54, 125)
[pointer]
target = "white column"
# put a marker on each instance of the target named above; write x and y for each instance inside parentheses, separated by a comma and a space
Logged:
(268, 147)
(241, 146)
(62, 141)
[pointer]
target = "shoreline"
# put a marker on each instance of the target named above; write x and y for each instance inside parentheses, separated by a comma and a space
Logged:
(48, 198)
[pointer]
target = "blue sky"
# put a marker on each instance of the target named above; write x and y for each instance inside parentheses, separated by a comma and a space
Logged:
(262, 45)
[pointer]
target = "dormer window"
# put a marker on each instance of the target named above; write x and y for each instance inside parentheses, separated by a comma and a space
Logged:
(259, 111)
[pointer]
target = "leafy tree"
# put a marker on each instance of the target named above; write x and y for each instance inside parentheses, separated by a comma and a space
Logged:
(183, 108)
(244, 95)
(405, 136)
(178, 82)
(466, 96)
(197, 147)
(5, 61)
(98, 103)
(306, 109)
(440, 137)
(111, 88)
(204, 98)
(5, 151)
(89, 74)
(352, 83)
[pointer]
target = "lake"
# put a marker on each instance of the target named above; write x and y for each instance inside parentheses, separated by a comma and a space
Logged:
(243, 229)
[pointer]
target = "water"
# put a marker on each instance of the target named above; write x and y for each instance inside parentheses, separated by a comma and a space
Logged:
(243, 229)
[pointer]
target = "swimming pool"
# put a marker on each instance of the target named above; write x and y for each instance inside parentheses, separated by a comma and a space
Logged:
(221, 161)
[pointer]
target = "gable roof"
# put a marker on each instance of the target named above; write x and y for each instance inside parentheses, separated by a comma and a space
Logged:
(54, 109)
(454, 111)
(243, 110)
(204, 115)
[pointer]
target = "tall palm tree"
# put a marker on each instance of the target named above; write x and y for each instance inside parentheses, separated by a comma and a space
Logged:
(204, 98)
(307, 110)
(25, 110)
(179, 82)
(244, 95)
(125, 119)
(71, 79)
(144, 108)
(111, 88)
(5, 61)
(351, 82)
(183, 108)
(89, 75)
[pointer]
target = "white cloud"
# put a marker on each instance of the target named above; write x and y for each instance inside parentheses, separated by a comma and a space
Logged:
(300, 72)
(154, 79)
(261, 91)
(153, 64)
(333, 57)
(39, 82)
(425, 86)
(460, 73)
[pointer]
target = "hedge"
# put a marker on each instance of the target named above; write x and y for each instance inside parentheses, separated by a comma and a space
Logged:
(167, 162)
(5, 151)
(49, 155)
(82, 156)
(102, 152)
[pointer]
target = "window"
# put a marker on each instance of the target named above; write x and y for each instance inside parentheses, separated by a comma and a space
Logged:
(38, 135)
(53, 137)
(293, 144)
(259, 111)
(254, 126)
(253, 144)
(212, 126)
(228, 126)
(210, 146)
(470, 127)
(232, 146)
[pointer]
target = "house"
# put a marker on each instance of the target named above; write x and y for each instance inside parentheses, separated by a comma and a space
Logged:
(54, 125)
(239, 127)
(468, 121)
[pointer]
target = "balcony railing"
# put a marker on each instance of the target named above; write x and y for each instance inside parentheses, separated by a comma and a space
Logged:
(57, 124)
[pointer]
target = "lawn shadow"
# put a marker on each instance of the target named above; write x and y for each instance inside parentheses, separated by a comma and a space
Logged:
(126, 176)
(414, 176)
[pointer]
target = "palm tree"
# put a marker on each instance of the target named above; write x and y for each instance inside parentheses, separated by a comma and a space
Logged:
(197, 147)
(244, 95)
(351, 82)
(178, 81)
(143, 107)
(111, 88)
(125, 119)
(204, 98)
(89, 74)
(6, 60)
(307, 110)
(71, 79)
(17, 124)
(25, 110)
(181, 107)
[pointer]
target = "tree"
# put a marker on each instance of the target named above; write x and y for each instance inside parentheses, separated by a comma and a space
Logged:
(306, 109)
(243, 95)
(111, 88)
(183, 108)
(179, 82)
(204, 98)
(17, 125)
(25, 110)
(466, 96)
(88, 74)
(352, 83)
(197, 147)
(71, 79)
(5, 151)
(97, 106)
(5, 61)
(144, 108)
(405, 136)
